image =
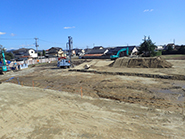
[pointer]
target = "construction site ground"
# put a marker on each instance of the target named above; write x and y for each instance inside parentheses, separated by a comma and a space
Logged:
(44, 101)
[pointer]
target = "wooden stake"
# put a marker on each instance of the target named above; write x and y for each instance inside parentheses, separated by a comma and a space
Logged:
(22, 83)
(33, 83)
(81, 93)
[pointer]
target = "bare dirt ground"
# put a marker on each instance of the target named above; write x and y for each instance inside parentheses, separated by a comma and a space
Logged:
(111, 106)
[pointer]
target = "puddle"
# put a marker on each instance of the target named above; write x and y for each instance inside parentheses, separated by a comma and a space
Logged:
(181, 84)
(168, 92)
(180, 97)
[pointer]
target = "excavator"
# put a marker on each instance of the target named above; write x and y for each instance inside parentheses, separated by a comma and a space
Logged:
(113, 57)
(3, 68)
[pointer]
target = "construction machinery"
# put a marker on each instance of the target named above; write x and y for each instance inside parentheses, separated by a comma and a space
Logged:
(112, 57)
(63, 63)
(3, 68)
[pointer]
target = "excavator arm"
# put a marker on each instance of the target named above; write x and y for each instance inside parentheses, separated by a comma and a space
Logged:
(4, 62)
(3, 68)
(118, 53)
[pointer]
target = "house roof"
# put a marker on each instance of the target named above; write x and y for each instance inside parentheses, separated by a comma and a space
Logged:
(24, 56)
(22, 50)
(57, 48)
(96, 51)
(98, 47)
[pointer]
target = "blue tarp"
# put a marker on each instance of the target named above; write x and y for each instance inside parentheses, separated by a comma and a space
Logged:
(7, 62)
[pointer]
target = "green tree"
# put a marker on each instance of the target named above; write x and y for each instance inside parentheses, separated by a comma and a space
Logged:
(169, 49)
(8, 55)
(147, 47)
(182, 49)
(43, 53)
(39, 53)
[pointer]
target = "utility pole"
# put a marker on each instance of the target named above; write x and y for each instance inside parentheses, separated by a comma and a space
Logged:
(36, 45)
(70, 43)
(174, 41)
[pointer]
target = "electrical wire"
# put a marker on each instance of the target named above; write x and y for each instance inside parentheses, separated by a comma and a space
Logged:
(16, 38)
(50, 41)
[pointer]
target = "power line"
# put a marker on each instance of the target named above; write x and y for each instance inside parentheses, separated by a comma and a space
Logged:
(51, 41)
(30, 39)
(16, 38)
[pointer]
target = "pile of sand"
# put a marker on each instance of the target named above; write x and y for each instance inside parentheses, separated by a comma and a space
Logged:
(147, 62)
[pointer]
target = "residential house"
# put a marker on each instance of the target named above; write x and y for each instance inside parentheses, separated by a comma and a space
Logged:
(79, 52)
(96, 52)
(24, 54)
(54, 52)
(177, 47)
(159, 47)
(172, 45)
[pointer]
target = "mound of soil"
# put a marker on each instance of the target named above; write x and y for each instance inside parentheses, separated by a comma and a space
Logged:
(147, 62)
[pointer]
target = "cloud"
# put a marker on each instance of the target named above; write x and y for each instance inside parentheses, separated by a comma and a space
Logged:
(2, 33)
(26, 45)
(148, 10)
(12, 34)
(69, 27)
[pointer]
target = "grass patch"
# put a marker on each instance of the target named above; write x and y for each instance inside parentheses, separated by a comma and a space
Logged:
(173, 57)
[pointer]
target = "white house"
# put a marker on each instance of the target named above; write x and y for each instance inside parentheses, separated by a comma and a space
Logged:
(159, 47)
(32, 53)
(24, 53)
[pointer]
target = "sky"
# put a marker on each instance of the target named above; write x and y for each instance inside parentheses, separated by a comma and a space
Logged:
(106, 23)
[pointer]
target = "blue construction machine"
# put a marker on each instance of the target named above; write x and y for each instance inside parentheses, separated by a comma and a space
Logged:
(112, 57)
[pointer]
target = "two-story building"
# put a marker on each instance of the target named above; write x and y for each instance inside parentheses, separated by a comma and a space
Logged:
(54, 52)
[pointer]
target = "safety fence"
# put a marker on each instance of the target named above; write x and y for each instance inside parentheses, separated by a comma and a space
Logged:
(31, 62)
(36, 61)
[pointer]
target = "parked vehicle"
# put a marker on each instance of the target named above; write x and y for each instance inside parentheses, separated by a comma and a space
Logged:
(63, 63)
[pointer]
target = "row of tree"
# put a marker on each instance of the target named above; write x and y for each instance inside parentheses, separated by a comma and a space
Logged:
(147, 49)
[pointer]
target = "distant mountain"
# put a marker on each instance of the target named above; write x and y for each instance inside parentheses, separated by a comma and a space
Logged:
(11, 50)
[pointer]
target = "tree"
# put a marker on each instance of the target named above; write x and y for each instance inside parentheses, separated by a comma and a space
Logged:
(8, 55)
(43, 53)
(147, 47)
(182, 49)
(39, 53)
(169, 49)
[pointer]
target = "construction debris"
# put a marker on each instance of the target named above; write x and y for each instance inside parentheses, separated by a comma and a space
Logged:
(86, 66)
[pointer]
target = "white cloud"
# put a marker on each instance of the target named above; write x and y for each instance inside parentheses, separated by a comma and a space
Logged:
(69, 27)
(2, 33)
(148, 10)
(12, 34)
(26, 45)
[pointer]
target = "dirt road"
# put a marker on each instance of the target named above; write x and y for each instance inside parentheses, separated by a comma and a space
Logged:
(36, 113)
